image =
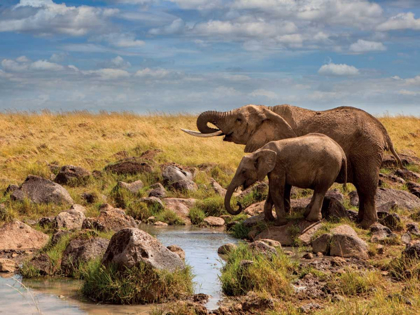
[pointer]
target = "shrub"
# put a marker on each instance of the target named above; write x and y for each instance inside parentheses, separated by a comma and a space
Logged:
(239, 230)
(138, 285)
(196, 215)
(138, 210)
(213, 206)
(356, 283)
(169, 217)
(268, 273)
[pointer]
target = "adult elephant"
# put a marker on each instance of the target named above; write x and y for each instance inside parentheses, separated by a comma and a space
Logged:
(362, 137)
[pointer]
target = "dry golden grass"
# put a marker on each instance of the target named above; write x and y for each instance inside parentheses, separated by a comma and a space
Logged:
(29, 141)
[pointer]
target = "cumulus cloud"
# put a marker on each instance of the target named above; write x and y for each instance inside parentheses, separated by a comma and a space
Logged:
(153, 73)
(115, 63)
(408, 93)
(362, 46)
(413, 81)
(22, 64)
(400, 21)
(198, 4)
(176, 26)
(123, 40)
(265, 93)
(108, 74)
(44, 17)
(333, 69)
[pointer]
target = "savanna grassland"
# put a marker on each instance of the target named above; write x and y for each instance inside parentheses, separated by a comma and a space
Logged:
(39, 144)
(29, 141)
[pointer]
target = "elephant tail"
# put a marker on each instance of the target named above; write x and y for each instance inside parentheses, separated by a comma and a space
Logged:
(394, 153)
(344, 171)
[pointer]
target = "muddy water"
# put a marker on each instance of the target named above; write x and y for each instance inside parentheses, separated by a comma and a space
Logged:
(61, 296)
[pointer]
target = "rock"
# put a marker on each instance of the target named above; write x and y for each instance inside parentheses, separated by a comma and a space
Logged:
(381, 233)
(90, 197)
(41, 190)
(157, 191)
(403, 199)
(352, 215)
(153, 202)
(181, 207)
(43, 264)
(255, 208)
(406, 238)
(97, 174)
(7, 265)
(300, 204)
(252, 221)
(309, 308)
(173, 174)
(336, 194)
(71, 220)
(333, 210)
(115, 219)
(253, 301)
(81, 250)
(78, 207)
(389, 161)
(226, 249)
(407, 175)
(184, 185)
(150, 154)
(413, 228)
(128, 247)
(129, 166)
(214, 221)
(133, 187)
(391, 178)
(47, 222)
(11, 188)
(93, 224)
(354, 198)
(346, 243)
(321, 244)
(308, 256)
(262, 247)
(218, 189)
(72, 176)
(393, 221)
(414, 188)
(288, 234)
(384, 209)
(57, 236)
(177, 250)
(160, 223)
(412, 251)
(272, 243)
(18, 235)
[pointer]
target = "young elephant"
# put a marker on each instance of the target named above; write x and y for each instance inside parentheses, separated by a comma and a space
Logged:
(312, 161)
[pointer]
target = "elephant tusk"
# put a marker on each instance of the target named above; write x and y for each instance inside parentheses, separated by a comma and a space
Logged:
(203, 135)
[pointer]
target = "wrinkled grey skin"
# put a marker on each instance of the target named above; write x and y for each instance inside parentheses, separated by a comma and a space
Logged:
(312, 161)
(362, 137)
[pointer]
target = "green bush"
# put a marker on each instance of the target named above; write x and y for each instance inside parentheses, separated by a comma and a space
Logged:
(267, 274)
(169, 217)
(239, 230)
(196, 215)
(138, 285)
(213, 206)
(139, 210)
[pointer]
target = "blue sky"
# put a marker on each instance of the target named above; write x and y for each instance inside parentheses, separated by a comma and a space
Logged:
(193, 55)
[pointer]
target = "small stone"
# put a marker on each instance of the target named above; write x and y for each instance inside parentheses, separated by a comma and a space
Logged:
(319, 254)
(413, 228)
(412, 251)
(308, 256)
(177, 250)
(157, 191)
(153, 202)
(7, 265)
(338, 261)
(214, 221)
(380, 249)
(160, 223)
(245, 263)
(226, 249)
(406, 238)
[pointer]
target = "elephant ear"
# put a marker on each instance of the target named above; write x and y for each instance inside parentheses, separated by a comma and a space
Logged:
(273, 127)
(265, 161)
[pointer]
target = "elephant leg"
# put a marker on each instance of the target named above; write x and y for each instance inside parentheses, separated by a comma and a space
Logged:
(366, 184)
(316, 205)
(268, 206)
(277, 196)
(287, 190)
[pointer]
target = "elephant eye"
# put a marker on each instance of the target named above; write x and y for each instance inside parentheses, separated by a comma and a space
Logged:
(238, 119)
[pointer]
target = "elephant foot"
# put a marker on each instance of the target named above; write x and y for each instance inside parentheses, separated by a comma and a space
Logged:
(314, 218)
(366, 223)
(269, 219)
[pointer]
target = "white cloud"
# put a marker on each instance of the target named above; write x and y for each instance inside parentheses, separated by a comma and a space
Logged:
(408, 93)
(13, 66)
(237, 77)
(175, 27)
(48, 18)
(225, 91)
(154, 73)
(108, 74)
(333, 69)
(413, 81)
(123, 40)
(22, 59)
(362, 46)
(46, 65)
(198, 4)
(400, 21)
(265, 93)
(115, 63)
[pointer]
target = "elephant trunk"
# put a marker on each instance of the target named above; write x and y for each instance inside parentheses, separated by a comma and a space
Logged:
(228, 196)
(213, 117)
